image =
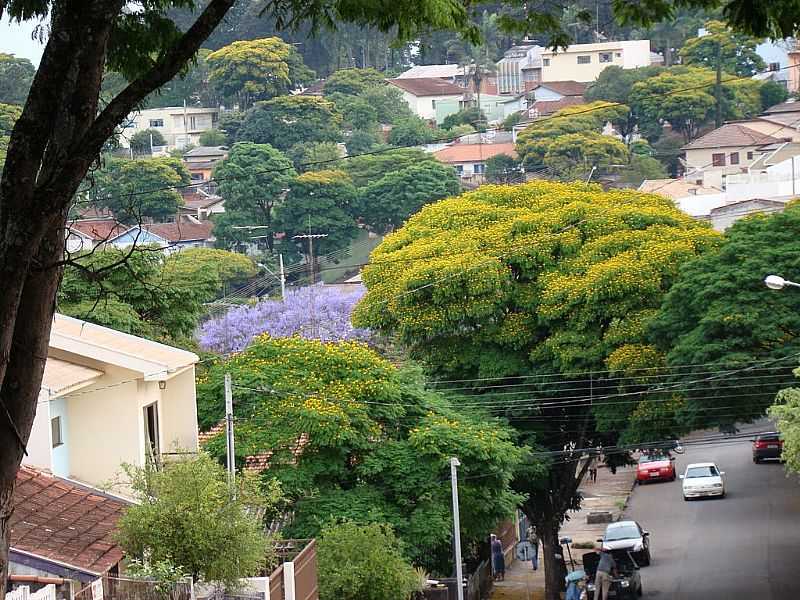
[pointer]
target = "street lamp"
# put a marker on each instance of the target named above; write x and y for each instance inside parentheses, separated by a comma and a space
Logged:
(776, 282)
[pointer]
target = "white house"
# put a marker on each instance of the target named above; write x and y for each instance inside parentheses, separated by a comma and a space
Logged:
(180, 125)
(469, 160)
(421, 95)
(453, 73)
(191, 229)
(585, 62)
(109, 398)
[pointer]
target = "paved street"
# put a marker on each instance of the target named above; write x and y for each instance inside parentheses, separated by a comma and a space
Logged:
(746, 545)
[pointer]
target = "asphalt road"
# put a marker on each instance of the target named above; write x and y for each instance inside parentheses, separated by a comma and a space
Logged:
(746, 545)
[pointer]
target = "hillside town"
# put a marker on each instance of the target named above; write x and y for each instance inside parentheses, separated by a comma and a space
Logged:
(437, 300)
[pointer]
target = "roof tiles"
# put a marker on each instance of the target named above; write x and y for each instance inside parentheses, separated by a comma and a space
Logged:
(427, 86)
(731, 135)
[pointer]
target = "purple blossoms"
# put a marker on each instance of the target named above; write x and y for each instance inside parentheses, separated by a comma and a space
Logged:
(332, 307)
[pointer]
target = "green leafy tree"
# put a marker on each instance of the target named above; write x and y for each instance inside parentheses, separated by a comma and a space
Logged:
(360, 142)
(363, 170)
(315, 156)
(150, 296)
(252, 70)
(213, 137)
(364, 562)
(192, 86)
(253, 179)
(514, 281)
(320, 202)
(412, 132)
(357, 112)
(387, 202)
(786, 412)
(737, 51)
(388, 101)
(377, 443)
(353, 82)
(289, 120)
(614, 83)
(471, 115)
(720, 314)
(16, 76)
(229, 123)
(642, 167)
(502, 168)
(772, 93)
(187, 515)
(8, 116)
(576, 154)
(143, 141)
(119, 187)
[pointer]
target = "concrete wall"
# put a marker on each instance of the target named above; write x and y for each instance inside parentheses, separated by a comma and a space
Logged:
(39, 445)
(425, 106)
(178, 412)
(564, 65)
(60, 454)
(701, 159)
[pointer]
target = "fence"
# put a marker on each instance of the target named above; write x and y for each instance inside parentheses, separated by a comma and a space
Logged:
(23, 592)
(122, 588)
(478, 585)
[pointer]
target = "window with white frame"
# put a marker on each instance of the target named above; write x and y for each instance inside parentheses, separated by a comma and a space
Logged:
(479, 168)
(55, 429)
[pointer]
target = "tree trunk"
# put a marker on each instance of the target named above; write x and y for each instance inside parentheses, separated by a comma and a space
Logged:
(553, 566)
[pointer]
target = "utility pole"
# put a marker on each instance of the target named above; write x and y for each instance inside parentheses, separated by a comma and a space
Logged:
(718, 86)
(283, 278)
(454, 463)
(231, 456)
(311, 273)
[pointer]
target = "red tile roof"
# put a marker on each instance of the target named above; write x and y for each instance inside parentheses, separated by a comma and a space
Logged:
(181, 232)
(788, 106)
(63, 521)
(256, 462)
(428, 86)
(543, 108)
(731, 135)
(468, 153)
(98, 229)
(197, 200)
(566, 88)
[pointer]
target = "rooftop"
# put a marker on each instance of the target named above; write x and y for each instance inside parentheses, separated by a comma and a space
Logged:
(543, 108)
(438, 71)
(207, 151)
(97, 229)
(427, 86)
(154, 360)
(565, 88)
(788, 106)
(65, 522)
(676, 188)
(467, 153)
(61, 376)
(731, 135)
(182, 231)
(610, 45)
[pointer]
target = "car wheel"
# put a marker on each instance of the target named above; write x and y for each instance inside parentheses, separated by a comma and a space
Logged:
(686, 499)
(640, 592)
(756, 460)
(647, 558)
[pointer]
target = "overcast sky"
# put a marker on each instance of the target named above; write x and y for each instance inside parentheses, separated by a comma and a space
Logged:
(15, 38)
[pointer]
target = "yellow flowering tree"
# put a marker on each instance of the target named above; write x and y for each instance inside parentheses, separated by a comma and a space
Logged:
(374, 445)
(498, 285)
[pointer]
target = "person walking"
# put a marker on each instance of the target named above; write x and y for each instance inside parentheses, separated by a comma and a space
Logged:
(593, 473)
(533, 540)
(498, 560)
(605, 569)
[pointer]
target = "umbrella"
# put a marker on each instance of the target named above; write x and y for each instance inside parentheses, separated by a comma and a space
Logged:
(575, 576)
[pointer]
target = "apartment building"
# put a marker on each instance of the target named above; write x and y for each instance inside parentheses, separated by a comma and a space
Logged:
(179, 125)
(585, 62)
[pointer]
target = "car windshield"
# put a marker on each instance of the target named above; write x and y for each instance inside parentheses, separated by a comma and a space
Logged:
(626, 532)
(710, 471)
(648, 458)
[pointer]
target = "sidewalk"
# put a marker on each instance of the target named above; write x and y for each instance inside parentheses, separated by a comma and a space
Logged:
(610, 493)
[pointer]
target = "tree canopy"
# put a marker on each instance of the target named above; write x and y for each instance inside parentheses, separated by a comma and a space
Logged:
(252, 180)
(364, 562)
(737, 51)
(353, 82)
(16, 76)
(515, 281)
(387, 202)
(143, 141)
(252, 70)
(185, 516)
(289, 120)
(719, 314)
(374, 445)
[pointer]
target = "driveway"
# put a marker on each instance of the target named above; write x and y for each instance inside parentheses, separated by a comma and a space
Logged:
(746, 545)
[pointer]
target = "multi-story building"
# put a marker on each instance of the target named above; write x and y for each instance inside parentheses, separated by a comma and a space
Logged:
(584, 62)
(520, 69)
(180, 125)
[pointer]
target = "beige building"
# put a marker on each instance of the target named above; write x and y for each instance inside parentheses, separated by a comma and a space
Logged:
(179, 125)
(725, 151)
(110, 398)
(584, 62)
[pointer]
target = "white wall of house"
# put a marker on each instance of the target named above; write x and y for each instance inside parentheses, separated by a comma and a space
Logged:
(585, 62)
(179, 405)
(425, 106)
(700, 163)
(180, 127)
(39, 447)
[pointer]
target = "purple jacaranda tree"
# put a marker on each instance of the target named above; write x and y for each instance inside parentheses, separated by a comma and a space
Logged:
(325, 316)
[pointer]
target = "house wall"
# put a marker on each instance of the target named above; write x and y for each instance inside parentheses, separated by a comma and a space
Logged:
(775, 130)
(701, 160)
(543, 93)
(39, 445)
(179, 126)
(725, 216)
(425, 106)
(564, 66)
(60, 454)
(178, 411)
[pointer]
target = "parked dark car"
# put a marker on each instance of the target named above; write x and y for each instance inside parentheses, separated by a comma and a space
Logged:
(627, 583)
(767, 445)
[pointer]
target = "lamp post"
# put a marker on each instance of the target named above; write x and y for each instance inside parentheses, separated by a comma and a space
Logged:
(776, 282)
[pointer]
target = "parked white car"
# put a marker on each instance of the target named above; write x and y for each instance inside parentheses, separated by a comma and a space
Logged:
(703, 480)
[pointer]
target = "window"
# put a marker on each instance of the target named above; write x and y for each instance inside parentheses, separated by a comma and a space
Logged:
(718, 160)
(151, 431)
(734, 158)
(619, 54)
(584, 60)
(773, 66)
(433, 104)
(545, 62)
(156, 122)
(192, 122)
(749, 156)
(55, 429)
(460, 169)
(606, 57)
(479, 168)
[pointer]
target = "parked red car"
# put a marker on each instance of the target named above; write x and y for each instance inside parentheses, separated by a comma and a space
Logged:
(767, 445)
(655, 467)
